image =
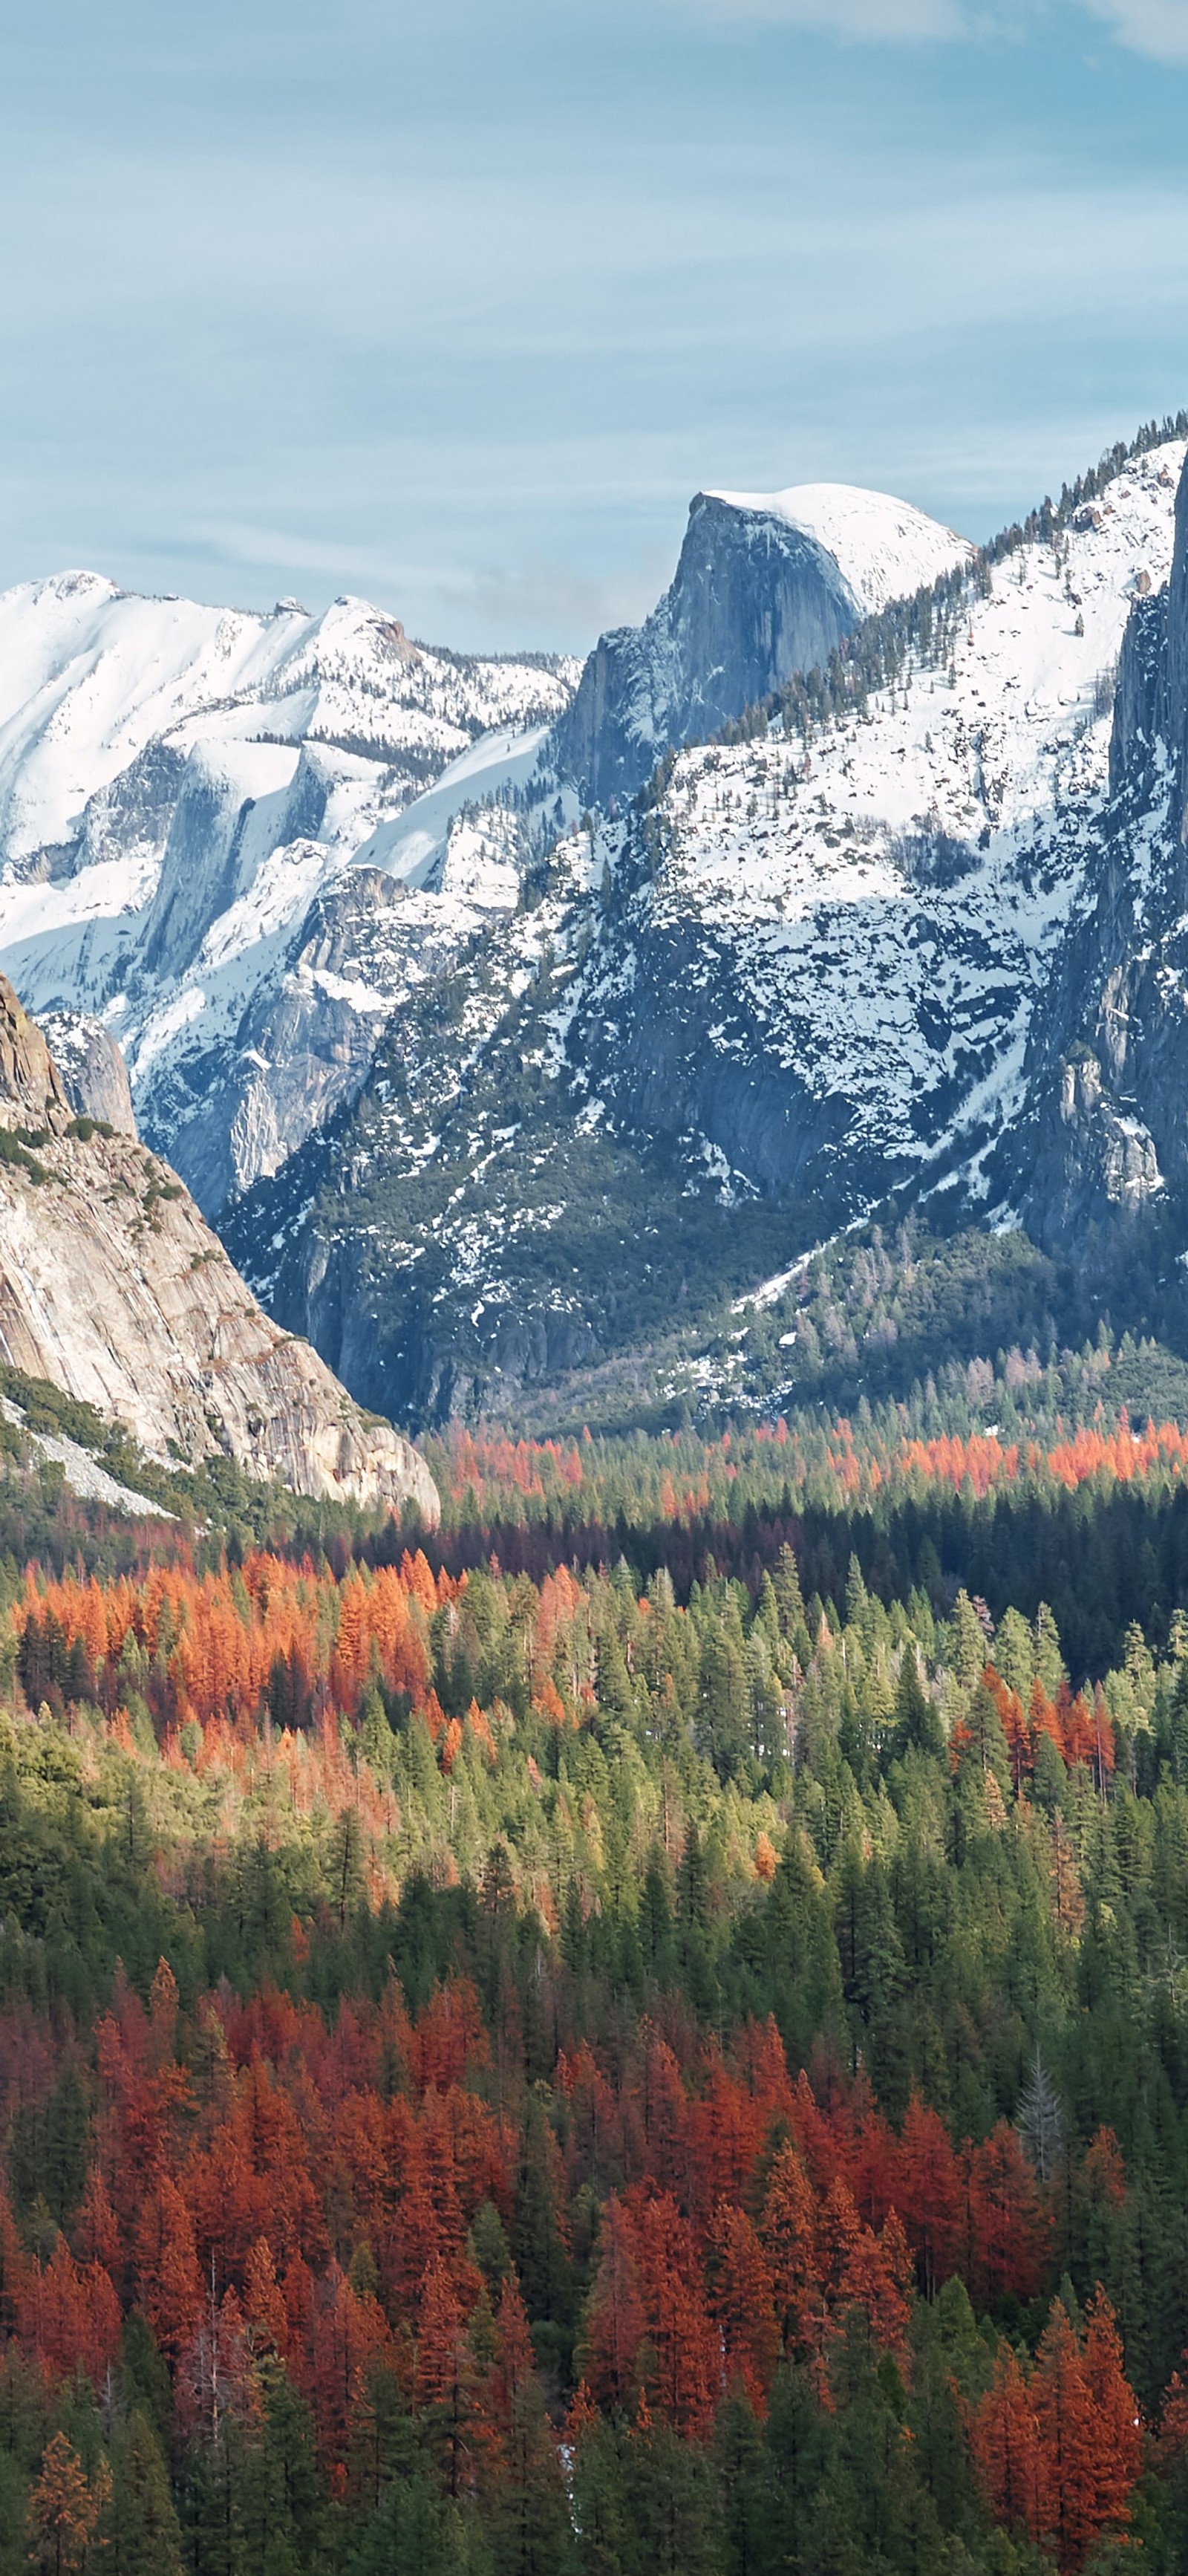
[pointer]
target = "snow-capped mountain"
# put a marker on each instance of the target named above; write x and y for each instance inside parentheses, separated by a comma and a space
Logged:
(92, 678)
(179, 787)
(490, 1097)
(883, 548)
(767, 584)
(814, 964)
(1106, 1126)
(830, 957)
(188, 796)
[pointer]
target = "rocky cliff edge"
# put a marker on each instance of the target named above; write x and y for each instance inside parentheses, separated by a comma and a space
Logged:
(113, 1288)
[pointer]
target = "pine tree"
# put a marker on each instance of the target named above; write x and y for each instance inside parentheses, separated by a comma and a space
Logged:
(532, 2532)
(1006, 2446)
(917, 1726)
(65, 2510)
(789, 2235)
(742, 2302)
(1070, 2515)
(929, 2189)
(281, 2507)
(1041, 2120)
(141, 2536)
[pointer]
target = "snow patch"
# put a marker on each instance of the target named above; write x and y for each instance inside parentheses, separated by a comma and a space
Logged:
(883, 548)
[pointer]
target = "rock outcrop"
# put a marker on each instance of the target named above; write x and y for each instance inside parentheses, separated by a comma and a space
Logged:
(759, 592)
(113, 1288)
(1108, 1076)
(93, 1072)
(30, 1083)
(302, 1049)
(1150, 745)
(1096, 1160)
(818, 967)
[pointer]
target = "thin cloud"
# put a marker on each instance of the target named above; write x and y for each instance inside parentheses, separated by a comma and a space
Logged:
(1155, 27)
(543, 596)
(871, 21)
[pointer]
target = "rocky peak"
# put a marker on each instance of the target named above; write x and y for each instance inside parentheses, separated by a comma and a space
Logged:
(93, 1073)
(114, 1289)
(1109, 1071)
(753, 599)
(1096, 1161)
(766, 584)
(30, 1084)
(1175, 700)
(1151, 707)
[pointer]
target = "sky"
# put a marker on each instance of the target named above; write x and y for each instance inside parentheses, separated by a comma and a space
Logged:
(455, 305)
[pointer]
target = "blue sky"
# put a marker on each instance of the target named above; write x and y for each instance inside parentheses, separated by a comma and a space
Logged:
(456, 303)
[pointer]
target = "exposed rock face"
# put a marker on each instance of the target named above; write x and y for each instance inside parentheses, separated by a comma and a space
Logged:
(30, 1083)
(1150, 747)
(81, 1471)
(1175, 702)
(94, 1074)
(765, 586)
(302, 1049)
(1096, 1161)
(810, 972)
(112, 1287)
(204, 870)
(929, 938)
(1108, 1092)
(751, 601)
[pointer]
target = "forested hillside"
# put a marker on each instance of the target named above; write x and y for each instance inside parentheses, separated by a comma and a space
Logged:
(642, 2030)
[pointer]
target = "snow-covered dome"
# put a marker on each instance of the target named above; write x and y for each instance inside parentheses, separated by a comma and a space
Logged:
(883, 548)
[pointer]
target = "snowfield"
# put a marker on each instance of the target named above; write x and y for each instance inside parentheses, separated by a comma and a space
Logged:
(246, 841)
(876, 914)
(884, 549)
(91, 675)
(179, 785)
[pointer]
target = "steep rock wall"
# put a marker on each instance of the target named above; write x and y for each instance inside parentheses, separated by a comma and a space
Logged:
(752, 600)
(113, 1288)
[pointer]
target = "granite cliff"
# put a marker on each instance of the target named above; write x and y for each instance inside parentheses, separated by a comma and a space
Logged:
(889, 937)
(1105, 1133)
(113, 1288)
(766, 584)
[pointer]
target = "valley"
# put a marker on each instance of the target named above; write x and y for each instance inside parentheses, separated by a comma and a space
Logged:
(511, 1100)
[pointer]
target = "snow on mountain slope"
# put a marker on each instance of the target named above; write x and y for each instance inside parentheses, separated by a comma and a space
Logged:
(413, 840)
(830, 977)
(90, 675)
(177, 786)
(759, 592)
(883, 548)
(1105, 1127)
(805, 969)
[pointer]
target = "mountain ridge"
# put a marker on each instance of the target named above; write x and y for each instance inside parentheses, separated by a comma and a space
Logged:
(522, 1117)
(758, 593)
(113, 1290)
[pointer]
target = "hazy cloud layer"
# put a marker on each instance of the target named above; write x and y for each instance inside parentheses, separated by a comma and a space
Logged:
(458, 307)
(1157, 28)
(883, 21)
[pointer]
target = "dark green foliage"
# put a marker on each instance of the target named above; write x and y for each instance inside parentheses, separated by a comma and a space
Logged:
(750, 1805)
(142, 2536)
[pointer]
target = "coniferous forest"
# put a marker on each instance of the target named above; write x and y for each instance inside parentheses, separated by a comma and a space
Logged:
(644, 2029)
